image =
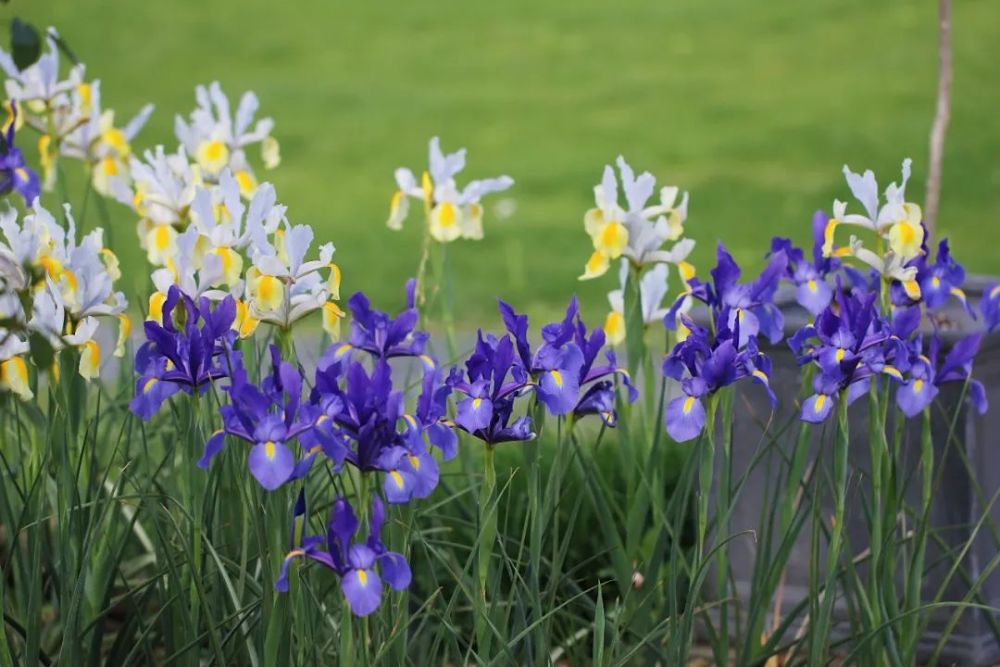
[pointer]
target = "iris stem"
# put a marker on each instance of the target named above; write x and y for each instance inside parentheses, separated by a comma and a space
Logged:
(722, 524)
(487, 537)
(821, 627)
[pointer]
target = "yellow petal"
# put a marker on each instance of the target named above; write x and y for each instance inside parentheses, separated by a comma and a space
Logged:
(212, 155)
(14, 378)
(614, 328)
(270, 152)
(155, 313)
(90, 360)
(268, 292)
(333, 282)
(446, 222)
(596, 266)
(232, 266)
(247, 183)
(244, 324)
(332, 314)
(906, 239)
(611, 239)
(124, 329)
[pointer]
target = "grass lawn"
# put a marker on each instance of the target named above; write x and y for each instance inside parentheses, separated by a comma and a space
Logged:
(753, 107)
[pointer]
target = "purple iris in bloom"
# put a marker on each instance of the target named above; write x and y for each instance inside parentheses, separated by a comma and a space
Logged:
(850, 344)
(990, 307)
(750, 303)
(925, 377)
(703, 366)
(15, 175)
(564, 365)
(380, 335)
(361, 565)
(487, 410)
(186, 359)
(362, 421)
(812, 291)
(269, 418)
(938, 281)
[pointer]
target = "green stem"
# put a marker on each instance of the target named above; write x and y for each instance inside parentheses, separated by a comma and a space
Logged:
(722, 526)
(821, 628)
(487, 537)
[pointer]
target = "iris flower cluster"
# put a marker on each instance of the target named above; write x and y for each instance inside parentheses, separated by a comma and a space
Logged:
(209, 240)
(813, 290)
(363, 418)
(563, 372)
(704, 363)
(744, 308)
(452, 213)
(58, 288)
(185, 350)
(67, 114)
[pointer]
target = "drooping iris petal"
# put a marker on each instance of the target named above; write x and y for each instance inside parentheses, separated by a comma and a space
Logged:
(395, 570)
(474, 414)
(214, 445)
(443, 438)
(817, 408)
(814, 295)
(363, 590)
(685, 418)
(915, 395)
(398, 486)
(271, 463)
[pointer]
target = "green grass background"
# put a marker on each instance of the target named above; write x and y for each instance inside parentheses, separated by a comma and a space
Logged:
(752, 106)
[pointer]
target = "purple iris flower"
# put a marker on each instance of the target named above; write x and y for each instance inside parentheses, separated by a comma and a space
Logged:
(269, 418)
(361, 565)
(990, 307)
(703, 365)
(750, 303)
(186, 359)
(487, 410)
(938, 281)
(925, 376)
(564, 364)
(15, 175)
(812, 291)
(362, 421)
(383, 337)
(850, 343)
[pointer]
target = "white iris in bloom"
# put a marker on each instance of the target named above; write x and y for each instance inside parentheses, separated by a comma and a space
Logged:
(218, 139)
(636, 231)
(71, 293)
(451, 213)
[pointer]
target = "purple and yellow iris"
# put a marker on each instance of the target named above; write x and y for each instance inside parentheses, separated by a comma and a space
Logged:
(704, 364)
(492, 383)
(375, 332)
(850, 343)
(362, 421)
(362, 566)
(925, 376)
(269, 418)
(15, 175)
(185, 359)
(938, 281)
(812, 290)
(752, 304)
(563, 366)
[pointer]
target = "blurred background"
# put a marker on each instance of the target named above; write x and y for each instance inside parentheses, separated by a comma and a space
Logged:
(752, 107)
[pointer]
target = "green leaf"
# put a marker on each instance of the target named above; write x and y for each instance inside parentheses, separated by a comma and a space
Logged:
(25, 44)
(42, 353)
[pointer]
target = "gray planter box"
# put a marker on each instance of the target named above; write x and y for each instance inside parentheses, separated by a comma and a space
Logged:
(956, 509)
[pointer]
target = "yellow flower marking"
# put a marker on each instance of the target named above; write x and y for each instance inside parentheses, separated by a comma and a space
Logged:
(14, 378)
(689, 404)
(557, 378)
(415, 462)
(918, 386)
(362, 577)
(148, 385)
(396, 478)
(270, 450)
(212, 155)
(614, 327)
(820, 402)
(90, 360)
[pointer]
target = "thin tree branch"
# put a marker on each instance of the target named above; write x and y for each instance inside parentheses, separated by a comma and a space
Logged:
(942, 115)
